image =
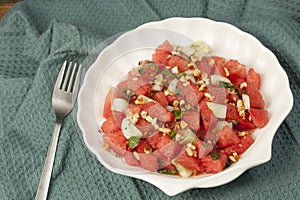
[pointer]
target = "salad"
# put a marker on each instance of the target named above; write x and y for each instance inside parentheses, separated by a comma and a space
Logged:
(184, 112)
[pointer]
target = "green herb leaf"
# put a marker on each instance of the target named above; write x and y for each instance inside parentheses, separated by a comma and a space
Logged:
(133, 142)
(173, 133)
(128, 93)
(178, 114)
(167, 171)
(167, 73)
(215, 155)
(179, 75)
(226, 85)
(149, 67)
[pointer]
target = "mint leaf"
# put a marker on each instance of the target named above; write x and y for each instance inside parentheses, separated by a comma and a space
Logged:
(215, 155)
(167, 73)
(178, 114)
(133, 142)
(167, 171)
(173, 133)
(128, 93)
(226, 85)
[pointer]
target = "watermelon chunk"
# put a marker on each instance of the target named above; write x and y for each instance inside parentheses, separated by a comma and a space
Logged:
(259, 117)
(190, 162)
(256, 99)
(180, 62)
(207, 118)
(130, 159)
(156, 110)
(237, 72)
(110, 126)
(214, 166)
(158, 140)
(253, 78)
(161, 98)
(239, 123)
(162, 53)
(192, 118)
(245, 142)
(148, 162)
(107, 112)
(228, 137)
(116, 142)
(219, 62)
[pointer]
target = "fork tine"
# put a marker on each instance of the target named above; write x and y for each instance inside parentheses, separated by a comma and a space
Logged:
(70, 85)
(60, 75)
(66, 78)
(77, 81)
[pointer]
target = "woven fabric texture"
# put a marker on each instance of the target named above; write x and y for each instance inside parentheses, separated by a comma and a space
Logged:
(37, 36)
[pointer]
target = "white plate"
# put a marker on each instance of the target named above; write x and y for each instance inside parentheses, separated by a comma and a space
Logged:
(224, 40)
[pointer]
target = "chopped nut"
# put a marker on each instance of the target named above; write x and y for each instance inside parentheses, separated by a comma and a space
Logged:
(195, 172)
(227, 73)
(236, 156)
(242, 133)
(105, 146)
(148, 118)
(189, 151)
(208, 96)
(134, 118)
(250, 118)
(232, 159)
(202, 87)
(166, 92)
(188, 106)
(136, 155)
(176, 108)
(144, 114)
(148, 150)
(239, 104)
(164, 130)
(175, 103)
(195, 154)
(197, 72)
(243, 85)
(242, 114)
(191, 146)
(191, 66)
(139, 100)
(234, 98)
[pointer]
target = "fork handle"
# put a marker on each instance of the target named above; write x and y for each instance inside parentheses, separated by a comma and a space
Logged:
(48, 165)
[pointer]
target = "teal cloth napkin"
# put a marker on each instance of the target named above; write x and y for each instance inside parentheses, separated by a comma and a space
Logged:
(37, 36)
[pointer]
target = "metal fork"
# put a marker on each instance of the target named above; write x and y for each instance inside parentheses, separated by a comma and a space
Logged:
(63, 100)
